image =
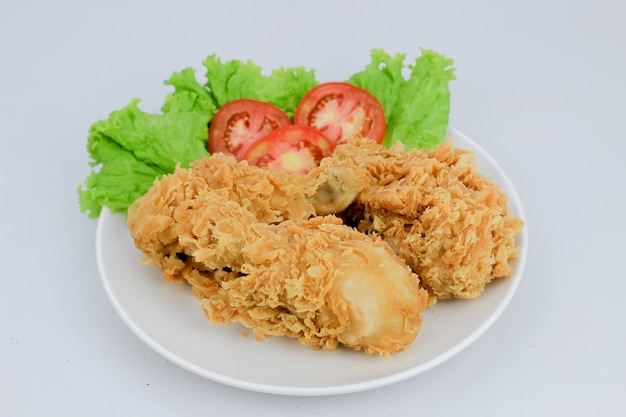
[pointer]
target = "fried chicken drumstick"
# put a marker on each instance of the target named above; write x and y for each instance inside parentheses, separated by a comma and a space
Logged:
(316, 280)
(449, 222)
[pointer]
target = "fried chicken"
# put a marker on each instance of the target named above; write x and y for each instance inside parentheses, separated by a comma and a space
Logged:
(240, 236)
(450, 223)
(349, 254)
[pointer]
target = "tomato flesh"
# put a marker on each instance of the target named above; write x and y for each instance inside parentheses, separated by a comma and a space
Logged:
(293, 148)
(342, 111)
(239, 123)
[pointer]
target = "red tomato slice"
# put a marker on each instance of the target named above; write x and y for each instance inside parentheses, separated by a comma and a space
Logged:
(342, 111)
(241, 122)
(293, 148)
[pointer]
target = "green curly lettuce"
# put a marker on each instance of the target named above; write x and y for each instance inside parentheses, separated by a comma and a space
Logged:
(416, 109)
(233, 80)
(132, 148)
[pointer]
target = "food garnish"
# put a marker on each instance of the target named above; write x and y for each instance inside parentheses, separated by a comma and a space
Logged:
(131, 148)
(239, 123)
(342, 111)
(291, 148)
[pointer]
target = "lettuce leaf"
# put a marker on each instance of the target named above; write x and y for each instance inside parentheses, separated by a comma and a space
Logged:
(383, 79)
(233, 80)
(120, 179)
(416, 109)
(132, 147)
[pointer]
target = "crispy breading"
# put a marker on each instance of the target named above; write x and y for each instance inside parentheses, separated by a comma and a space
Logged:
(450, 223)
(350, 254)
(316, 280)
(268, 194)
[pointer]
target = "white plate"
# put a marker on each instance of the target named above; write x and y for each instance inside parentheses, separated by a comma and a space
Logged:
(170, 320)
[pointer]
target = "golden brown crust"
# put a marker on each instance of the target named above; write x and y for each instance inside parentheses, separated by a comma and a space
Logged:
(449, 222)
(316, 280)
(350, 254)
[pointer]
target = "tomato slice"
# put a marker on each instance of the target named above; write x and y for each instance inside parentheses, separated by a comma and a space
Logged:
(293, 148)
(342, 111)
(241, 122)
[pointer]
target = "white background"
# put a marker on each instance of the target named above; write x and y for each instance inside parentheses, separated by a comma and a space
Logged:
(541, 85)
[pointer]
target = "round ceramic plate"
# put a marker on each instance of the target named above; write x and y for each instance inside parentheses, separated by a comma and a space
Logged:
(169, 319)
